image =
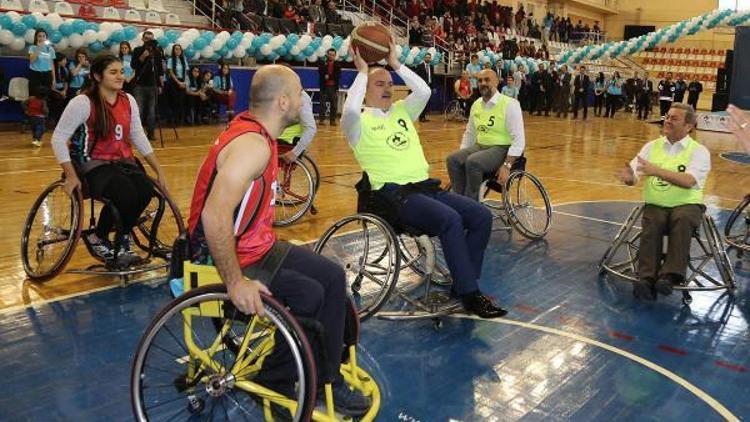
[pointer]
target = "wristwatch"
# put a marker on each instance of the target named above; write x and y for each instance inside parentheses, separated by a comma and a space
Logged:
(507, 164)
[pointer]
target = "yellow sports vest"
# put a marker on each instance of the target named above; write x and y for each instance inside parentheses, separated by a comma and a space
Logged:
(662, 193)
(389, 150)
(490, 124)
(291, 132)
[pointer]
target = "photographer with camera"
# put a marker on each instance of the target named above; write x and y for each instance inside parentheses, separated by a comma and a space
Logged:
(147, 64)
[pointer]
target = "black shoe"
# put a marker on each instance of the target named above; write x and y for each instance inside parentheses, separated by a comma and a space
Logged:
(666, 283)
(481, 306)
(644, 289)
(346, 401)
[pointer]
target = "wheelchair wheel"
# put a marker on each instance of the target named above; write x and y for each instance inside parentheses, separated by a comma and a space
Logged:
(366, 247)
(415, 260)
(182, 371)
(51, 232)
(453, 112)
(162, 218)
(294, 193)
(737, 229)
(721, 259)
(528, 205)
(314, 170)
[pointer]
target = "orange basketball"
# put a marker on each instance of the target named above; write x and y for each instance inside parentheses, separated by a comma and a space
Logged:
(372, 40)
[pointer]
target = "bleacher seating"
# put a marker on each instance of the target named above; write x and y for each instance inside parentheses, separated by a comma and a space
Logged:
(133, 16)
(64, 8)
(153, 17)
(12, 5)
(172, 19)
(137, 4)
(38, 6)
(111, 12)
(156, 5)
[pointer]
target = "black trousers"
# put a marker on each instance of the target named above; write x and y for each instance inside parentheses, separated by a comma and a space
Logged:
(613, 102)
(177, 103)
(579, 100)
(598, 104)
(664, 106)
(38, 80)
(126, 187)
(329, 95)
(313, 288)
(644, 108)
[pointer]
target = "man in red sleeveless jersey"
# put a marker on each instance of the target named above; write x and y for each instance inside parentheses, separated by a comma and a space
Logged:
(231, 219)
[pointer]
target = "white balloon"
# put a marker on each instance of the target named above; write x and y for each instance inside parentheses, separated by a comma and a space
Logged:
(312, 59)
(414, 51)
(168, 50)
(304, 41)
(14, 16)
(245, 43)
(55, 20)
(266, 49)
(431, 50)
(116, 26)
(75, 40)
(295, 50)
(229, 55)
(18, 44)
(63, 44)
(216, 43)
(197, 55)
(207, 51)
(102, 36)
(158, 32)
(410, 60)
(89, 36)
(224, 35)
(38, 16)
(6, 37)
(239, 52)
(114, 49)
(182, 41)
(29, 36)
(277, 41)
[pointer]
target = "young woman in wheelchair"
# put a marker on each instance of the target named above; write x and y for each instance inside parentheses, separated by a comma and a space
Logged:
(386, 145)
(93, 142)
(231, 218)
(494, 138)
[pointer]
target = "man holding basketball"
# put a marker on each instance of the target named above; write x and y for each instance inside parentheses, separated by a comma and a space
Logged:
(386, 145)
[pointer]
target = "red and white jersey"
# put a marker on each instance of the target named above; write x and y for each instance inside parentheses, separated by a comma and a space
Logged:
(254, 215)
(115, 146)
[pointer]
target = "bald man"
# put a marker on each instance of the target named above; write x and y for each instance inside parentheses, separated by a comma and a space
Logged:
(396, 179)
(231, 219)
(494, 139)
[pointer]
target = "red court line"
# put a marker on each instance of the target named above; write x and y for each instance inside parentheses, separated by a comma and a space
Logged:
(528, 309)
(674, 350)
(622, 336)
(730, 366)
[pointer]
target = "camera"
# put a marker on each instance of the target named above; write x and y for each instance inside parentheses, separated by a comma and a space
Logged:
(150, 45)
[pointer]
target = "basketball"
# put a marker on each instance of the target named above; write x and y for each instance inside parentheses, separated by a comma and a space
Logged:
(372, 40)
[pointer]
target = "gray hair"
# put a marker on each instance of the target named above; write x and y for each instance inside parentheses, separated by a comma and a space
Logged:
(690, 117)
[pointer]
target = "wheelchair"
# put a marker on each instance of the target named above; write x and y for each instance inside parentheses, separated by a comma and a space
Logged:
(201, 357)
(374, 253)
(297, 185)
(737, 229)
(55, 224)
(454, 112)
(522, 204)
(621, 257)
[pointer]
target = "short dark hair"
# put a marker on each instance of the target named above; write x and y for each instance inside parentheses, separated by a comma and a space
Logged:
(474, 56)
(330, 49)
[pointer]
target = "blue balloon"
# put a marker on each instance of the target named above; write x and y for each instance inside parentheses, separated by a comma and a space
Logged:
(281, 51)
(55, 36)
(189, 52)
(299, 58)
(232, 43)
(46, 26)
(215, 56)
(66, 29)
(223, 51)
(29, 21)
(92, 26)
(200, 43)
(163, 41)
(251, 50)
(257, 42)
(6, 22)
(117, 36)
(308, 51)
(130, 32)
(79, 26)
(237, 34)
(19, 29)
(209, 35)
(95, 47)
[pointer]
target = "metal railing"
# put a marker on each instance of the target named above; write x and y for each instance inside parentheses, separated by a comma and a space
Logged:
(386, 13)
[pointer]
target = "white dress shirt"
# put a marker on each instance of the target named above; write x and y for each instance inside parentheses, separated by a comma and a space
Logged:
(513, 122)
(307, 120)
(351, 123)
(77, 113)
(698, 167)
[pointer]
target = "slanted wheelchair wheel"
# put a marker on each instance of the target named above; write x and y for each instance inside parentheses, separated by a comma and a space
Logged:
(51, 232)
(294, 193)
(182, 371)
(528, 205)
(453, 112)
(414, 259)
(314, 170)
(737, 229)
(721, 259)
(162, 220)
(367, 248)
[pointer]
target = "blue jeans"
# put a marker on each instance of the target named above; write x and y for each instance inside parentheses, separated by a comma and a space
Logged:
(463, 226)
(38, 124)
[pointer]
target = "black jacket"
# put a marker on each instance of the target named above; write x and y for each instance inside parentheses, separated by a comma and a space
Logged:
(421, 70)
(580, 84)
(144, 71)
(323, 71)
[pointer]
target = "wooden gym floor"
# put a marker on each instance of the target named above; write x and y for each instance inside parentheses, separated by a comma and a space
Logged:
(575, 160)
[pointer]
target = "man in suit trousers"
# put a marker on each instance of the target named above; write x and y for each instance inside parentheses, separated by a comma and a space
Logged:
(330, 74)
(426, 71)
(580, 85)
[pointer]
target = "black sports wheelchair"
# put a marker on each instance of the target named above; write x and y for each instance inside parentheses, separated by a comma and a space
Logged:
(55, 224)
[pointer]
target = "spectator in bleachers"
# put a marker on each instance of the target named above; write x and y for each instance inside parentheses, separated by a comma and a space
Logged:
(644, 90)
(600, 94)
(679, 89)
(232, 10)
(547, 27)
(147, 64)
(223, 90)
(332, 16)
(474, 68)
(510, 88)
(316, 12)
(79, 71)
(666, 94)
(86, 10)
(329, 72)
(580, 92)
(614, 95)
(694, 91)
(58, 97)
(177, 71)
(35, 107)
(41, 63)
(291, 13)
(126, 57)
(520, 20)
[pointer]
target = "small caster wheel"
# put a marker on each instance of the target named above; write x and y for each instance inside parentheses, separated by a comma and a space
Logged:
(437, 323)
(687, 300)
(195, 405)
(313, 211)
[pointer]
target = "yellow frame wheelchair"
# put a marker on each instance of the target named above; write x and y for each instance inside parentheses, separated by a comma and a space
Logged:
(200, 357)
(55, 224)
(621, 258)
